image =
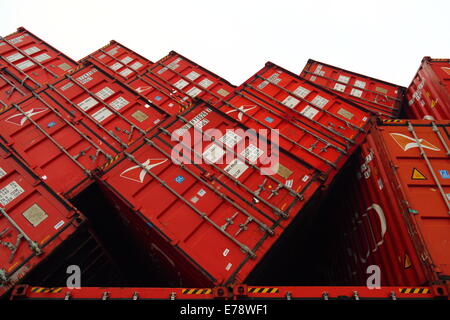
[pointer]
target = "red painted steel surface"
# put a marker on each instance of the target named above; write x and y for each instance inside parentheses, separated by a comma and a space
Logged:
(11, 90)
(217, 220)
(32, 60)
(315, 125)
(377, 96)
(185, 78)
(34, 221)
(119, 61)
(429, 92)
(396, 209)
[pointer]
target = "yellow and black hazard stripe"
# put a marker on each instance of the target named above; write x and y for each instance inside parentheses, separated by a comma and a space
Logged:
(414, 290)
(393, 121)
(110, 162)
(45, 290)
(263, 290)
(196, 291)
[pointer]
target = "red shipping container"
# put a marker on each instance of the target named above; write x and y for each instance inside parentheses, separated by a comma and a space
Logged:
(185, 79)
(315, 125)
(31, 60)
(11, 90)
(379, 97)
(77, 125)
(395, 210)
(217, 220)
(34, 221)
(429, 92)
(119, 61)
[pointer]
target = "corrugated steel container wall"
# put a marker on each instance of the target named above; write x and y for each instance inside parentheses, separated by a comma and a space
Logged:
(315, 125)
(186, 80)
(119, 61)
(218, 219)
(429, 92)
(379, 97)
(33, 61)
(395, 208)
(11, 90)
(34, 221)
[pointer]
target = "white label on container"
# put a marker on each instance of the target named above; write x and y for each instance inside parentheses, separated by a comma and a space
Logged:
(339, 87)
(17, 39)
(289, 183)
(252, 153)
(102, 114)
(201, 192)
(380, 184)
(228, 267)
(230, 139)
(360, 84)
(119, 103)
(309, 112)
(174, 64)
(305, 178)
(35, 215)
(180, 84)
(319, 101)
(223, 92)
(59, 225)
(14, 57)
(343, 79)
(193, 92)
(301, 92)
(104, 93)
(290, 102)
(225, 252)
(113, 51)
(67, 86)
(273, 79)
(318, 68)
(9, 192)
(194, 199)
(213, 153)
(205, 83)
(2, 173)
(356, 93)
(102, 56)
(136, 65)
(87, 103)
(202, 123)
(126, 60)
(31, 50)
(24, 65)
(199, 117)
(313, 78)
(42, 57)
(236, 168)
(116, 66)
(193, 75)
(126, 72)
(85, 78)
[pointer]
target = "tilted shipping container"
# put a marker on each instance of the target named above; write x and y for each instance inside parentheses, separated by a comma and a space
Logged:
(395, 207)
(213, 218)
(31, 60)
(315, 125)
(379, 97)
(429, 92)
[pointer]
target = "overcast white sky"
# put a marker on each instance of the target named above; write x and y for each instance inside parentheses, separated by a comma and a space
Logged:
(234, 38)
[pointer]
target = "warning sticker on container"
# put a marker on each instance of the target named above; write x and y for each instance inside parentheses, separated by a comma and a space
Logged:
(126, 60)
(290, 102)
(236, 168)
(35, 215)
(309, 112)
(301, 92)
(126, 72)
(42, 57)
(24, 65)
(230, 139)
(102, 114)
(343, 79)
(360, 84)
(193, 92)
(345, 113)
(213, 153)
(104, 93)
(319, 101)
(88, 103)
(252, 153)
(356, 93)
(223, 92)
(192, 75)
(339, 87)
(205, 83)
(136, 65)
(31, 50)
(119, 103)
(139, 116)
(14, 57)
(180, 84)
(2, 173)
(10, 192)
(116, 66)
